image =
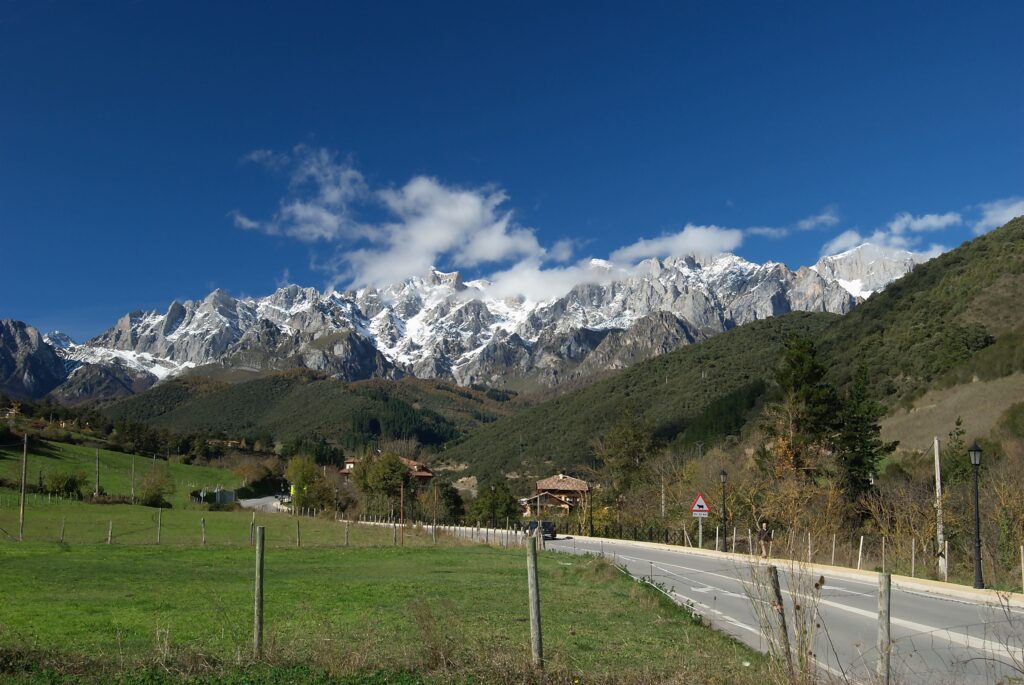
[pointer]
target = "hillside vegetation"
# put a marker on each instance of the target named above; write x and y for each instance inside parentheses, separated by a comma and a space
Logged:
(692, 394)
(48, 459)
(298, 404)
(953, 319)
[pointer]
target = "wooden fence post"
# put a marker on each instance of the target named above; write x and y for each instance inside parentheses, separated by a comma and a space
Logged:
(346, 533)
(780, 609)
(62, 520)
(298, 534)
(202, 528)
(24, 478)
(913, 557)
(884, 635)
(252, 530)
(257, 632)
(110, 531)
(159, 522)
(536, 643)
(883, 554)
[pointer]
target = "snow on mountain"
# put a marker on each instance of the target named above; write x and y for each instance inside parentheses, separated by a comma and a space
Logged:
(58, 340)
(868, 268)
(437, 325)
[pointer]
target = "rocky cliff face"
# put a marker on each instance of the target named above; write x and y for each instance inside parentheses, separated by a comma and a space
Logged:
(868, 268)
(29, 367)
(439, 326)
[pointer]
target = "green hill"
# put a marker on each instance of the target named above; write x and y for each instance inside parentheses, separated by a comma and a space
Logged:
(695, 393)
(953, 319)
(296, 404)
(46, 458)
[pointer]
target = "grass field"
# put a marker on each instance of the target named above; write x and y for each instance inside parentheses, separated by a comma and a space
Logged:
(86, 524)
(367, 613)
(115, 469)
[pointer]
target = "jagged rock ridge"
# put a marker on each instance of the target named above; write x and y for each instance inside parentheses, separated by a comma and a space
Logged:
(438, 326)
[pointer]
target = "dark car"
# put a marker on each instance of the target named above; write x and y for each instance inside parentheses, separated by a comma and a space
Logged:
(547, 529)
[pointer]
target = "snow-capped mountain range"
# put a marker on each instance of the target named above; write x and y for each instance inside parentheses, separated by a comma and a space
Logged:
(438, 326)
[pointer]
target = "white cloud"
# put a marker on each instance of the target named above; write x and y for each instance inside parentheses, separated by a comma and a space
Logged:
(847, 240)
(769, 231)
(321, 192)
(243, 222)
(902, 232)
(828, 217)
(562, 250)
(995, 214)
(905, 221)
(529, 279)
(699, 240)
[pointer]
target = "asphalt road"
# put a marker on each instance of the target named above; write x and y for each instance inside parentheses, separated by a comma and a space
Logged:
(260, 503)
(936, 638)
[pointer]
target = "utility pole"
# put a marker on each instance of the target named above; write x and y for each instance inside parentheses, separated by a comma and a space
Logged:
(663, 497)
(24, 476)
(940, 537)
(133, 479)
(97, 493)
(401, 510)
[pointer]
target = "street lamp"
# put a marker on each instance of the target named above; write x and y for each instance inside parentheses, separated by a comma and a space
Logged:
(975, 452)
(723, 476)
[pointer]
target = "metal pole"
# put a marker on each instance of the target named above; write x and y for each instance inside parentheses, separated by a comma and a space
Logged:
(979, 582)
(884, 637)
(257, 632)
(536, 643)
(24, 477)
(833, 549)
(860, 551)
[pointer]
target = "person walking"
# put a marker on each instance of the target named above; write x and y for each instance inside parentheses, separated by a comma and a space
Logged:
(764, 536)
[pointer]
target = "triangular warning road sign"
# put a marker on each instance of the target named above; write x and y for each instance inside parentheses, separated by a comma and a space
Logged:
(699, 505)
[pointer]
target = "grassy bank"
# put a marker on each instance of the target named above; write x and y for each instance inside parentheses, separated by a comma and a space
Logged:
(361, 614)
(115, 469)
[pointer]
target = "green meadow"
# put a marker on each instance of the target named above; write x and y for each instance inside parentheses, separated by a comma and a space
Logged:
(370, 612)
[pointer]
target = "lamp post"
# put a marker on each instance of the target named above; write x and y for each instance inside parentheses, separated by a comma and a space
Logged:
(975, 453)
(723, 476)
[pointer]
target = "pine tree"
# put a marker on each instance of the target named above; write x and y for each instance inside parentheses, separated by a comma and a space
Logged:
(802, 423)
(858, 443)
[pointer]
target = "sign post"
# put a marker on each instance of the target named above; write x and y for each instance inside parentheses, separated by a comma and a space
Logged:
(700, 511)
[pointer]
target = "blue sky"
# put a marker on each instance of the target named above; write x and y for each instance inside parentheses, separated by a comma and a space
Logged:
(153, 151)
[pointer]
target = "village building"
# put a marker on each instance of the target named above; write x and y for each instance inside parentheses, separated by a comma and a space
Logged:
(419, 472)
(560, 494)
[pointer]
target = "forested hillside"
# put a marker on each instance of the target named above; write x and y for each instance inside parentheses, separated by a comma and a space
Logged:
(299, 404)
(952, 319)
(696, 393)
